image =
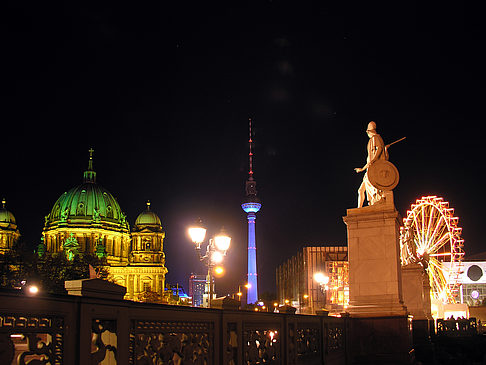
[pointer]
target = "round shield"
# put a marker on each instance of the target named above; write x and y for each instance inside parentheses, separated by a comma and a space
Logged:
(383, 175)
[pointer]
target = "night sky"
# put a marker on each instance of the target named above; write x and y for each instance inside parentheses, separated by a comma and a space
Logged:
(163, 95)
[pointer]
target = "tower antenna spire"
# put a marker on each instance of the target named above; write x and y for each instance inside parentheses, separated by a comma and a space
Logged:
(250, 154)
(251, 206)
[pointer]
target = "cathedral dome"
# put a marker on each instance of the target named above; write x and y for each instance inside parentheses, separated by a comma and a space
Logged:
(6, 217)
(148, 219)
(9, 234)
(88, 204)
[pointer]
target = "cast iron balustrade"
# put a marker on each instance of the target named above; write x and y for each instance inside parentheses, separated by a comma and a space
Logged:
(87, 330)
(457, 327)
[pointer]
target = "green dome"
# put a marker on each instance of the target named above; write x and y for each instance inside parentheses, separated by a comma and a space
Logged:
(87, 204)
(148, 218)
(6, 217)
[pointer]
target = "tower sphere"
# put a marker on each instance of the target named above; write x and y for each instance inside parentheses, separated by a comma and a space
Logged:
(251, 207)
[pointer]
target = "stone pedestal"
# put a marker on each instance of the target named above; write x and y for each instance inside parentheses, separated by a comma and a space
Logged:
(95, 288)
(375, 282)
(287, 309)
(416, 291)
(379, 327)
(379, 340)
(225, 303)
(416, 296)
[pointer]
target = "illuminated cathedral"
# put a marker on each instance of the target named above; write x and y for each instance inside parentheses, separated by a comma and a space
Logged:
(87, 218)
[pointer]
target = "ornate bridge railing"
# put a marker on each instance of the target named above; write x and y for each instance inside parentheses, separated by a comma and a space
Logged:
(85, 330)
(457, 327)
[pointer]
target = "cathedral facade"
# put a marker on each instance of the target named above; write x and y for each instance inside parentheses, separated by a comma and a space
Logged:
(9, 233)
(87, 218)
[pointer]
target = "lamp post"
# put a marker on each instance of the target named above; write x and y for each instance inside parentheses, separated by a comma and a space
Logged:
(215, 251)
(322, 279)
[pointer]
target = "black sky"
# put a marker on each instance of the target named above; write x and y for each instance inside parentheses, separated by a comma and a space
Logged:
(163, 94)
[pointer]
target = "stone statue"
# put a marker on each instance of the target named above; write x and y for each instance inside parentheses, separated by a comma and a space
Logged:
(64, 215)
(96, 215)
(376, 152)
(381, 176)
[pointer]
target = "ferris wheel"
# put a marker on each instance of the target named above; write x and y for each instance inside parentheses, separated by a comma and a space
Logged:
(430, 236)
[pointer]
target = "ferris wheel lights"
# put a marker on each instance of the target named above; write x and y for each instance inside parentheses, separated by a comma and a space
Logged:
(430, 235)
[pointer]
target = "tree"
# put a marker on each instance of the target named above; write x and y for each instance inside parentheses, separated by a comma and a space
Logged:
(151, 297)
(49, 271)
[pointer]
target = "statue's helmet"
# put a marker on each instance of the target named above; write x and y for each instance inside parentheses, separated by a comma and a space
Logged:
(371, 127)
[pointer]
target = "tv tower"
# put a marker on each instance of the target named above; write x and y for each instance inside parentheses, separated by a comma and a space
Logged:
(251, 206)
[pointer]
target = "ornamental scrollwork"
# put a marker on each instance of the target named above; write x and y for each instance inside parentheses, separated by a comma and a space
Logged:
(232, 344)
(335, 338)
(166, 342)
(103, 340)
(261, 346)
(308, 340)
(29, 340)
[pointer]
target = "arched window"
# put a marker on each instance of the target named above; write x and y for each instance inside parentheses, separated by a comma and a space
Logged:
(147, 286)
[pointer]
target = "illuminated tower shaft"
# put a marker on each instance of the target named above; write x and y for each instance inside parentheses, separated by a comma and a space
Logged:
(252, 296)
(251, 206)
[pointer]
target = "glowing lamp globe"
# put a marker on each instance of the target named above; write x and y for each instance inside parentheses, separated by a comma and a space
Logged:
(222, 241)
(197, 232)
(216, 257)
(219, 271)
(321, 278)
(33, 289)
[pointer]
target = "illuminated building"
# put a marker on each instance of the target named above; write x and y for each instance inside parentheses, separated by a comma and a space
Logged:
(197, 284)
(87, 218)
(297, 286)
(9, 233)
(251, 206)
(472, 280)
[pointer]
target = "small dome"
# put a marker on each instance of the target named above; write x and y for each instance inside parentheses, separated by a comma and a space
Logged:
(6, 217)
(148, 218)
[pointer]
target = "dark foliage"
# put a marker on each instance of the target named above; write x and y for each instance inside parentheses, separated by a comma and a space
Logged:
(49, 272)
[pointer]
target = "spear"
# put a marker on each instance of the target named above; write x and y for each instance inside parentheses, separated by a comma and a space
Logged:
(398, 140)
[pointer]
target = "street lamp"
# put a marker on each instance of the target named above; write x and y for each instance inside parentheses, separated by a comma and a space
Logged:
(322, 279)
(215, 251)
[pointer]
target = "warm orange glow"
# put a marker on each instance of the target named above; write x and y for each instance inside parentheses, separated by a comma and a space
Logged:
(197, 234)
(256, 309)
(239, 294)
(217, 257)
(321, 278)
(338, 288)
(222, 240)
(430, 234)
(219, 271)
(275, 304)
(248, 286)
(306, 296)
(287, 301)
(33, 289)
